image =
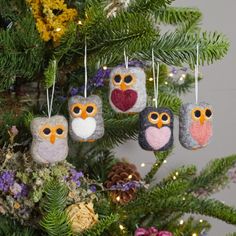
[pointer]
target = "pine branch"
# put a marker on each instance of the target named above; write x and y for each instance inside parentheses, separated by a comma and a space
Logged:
(54, 220)
(103, 225)
(179, 49)
(214, 175)
(160, 157)
(186, 19)
(148, 6)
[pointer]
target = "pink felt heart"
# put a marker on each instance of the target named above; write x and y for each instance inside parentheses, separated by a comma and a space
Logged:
(158, 138)
(124, 100)
(201, 132)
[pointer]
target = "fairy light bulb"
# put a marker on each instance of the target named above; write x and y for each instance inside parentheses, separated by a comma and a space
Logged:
(143, 165)
(184, 198)
(177, 173)
(181, 222)
(166, 83)
(79, 22)
(194, 234)
(58, 29)
(130, 177)
(201, 220)
(151, 79)
(121, 227)
(171, 74)
(118, 198)
(174, 177)
(104, 67)
(165, 161)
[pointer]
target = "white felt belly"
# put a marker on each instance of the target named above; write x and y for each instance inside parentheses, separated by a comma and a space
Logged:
(84, 128)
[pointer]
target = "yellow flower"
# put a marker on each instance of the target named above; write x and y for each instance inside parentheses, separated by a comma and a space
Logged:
(82, 216)
(52, 18)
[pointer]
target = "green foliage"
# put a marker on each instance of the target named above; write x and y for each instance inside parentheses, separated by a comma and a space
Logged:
(54, 220)
(9, 227)
(103, 225)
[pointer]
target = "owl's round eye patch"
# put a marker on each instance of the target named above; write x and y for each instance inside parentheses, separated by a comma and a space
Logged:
(46, 131)
(89, 109)
(117, 79)
(165, 118)
(128, 79)
(208, 113)
(153, 117)
(76, 110)
(59, 131)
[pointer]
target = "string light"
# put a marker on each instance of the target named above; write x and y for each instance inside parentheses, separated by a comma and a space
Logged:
(183, 198)
(104, 67)
(154, 99)
(58, 29)
(118, 198)
(171, 74)
(181, 222)
(121, 227)
(79, 22)
(165, 161)
(201, 220)
(194, 234)
(177, 173)
(174, 177)
(130, 177)
(143, 165)
(166, 83)
(151, 79)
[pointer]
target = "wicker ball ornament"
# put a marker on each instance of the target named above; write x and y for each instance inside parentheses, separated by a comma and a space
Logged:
(122, 173)
(81, 216)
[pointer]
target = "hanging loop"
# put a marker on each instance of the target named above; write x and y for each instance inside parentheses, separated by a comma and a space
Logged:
(50, 102)
(85, 69)
(196, 76)
(126, 58)
(155, 72)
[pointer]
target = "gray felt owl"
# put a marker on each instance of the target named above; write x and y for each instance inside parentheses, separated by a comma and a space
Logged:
(195, 125)
(128, 89)
(86, 121)
(50, 135)
(156, 129)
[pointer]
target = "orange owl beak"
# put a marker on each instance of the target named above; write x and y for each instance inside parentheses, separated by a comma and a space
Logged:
(84, 115)
(202, 119)
(52, 138)
(123, 86)
(159, 124)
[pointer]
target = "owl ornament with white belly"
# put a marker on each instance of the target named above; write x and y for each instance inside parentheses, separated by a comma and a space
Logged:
(195, 125)
(86, 121)
(127, 89)
(156, 129)
(50, 136)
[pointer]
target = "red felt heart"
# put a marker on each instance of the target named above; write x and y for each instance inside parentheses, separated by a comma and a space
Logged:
(124, 100)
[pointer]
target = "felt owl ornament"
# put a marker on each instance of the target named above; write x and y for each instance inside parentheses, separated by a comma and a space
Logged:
(128, 89)
(49, 143)
(156, 129)
(86, 121)
(195, 125)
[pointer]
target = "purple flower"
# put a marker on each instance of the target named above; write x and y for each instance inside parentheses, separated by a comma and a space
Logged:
(164, 233)
(102, 74)
(126, 186)
(174, 70)
(74, 91)
(93, 188)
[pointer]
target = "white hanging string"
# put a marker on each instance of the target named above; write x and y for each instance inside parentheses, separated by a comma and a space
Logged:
(126, 60)
(196, 75)
(85, 69)
(155, 78)
(50, 103)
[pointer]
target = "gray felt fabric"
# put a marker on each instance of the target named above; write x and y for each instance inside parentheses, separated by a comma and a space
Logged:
(42, 150)
(186, 121)
(97, 118)
(145, 124)
(139, 87)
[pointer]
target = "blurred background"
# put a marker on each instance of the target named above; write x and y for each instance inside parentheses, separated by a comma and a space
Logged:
(219, 89)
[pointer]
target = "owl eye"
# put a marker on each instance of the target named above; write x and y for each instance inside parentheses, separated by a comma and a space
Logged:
(197, 114)
(59, 131)
(89, 109)
(153, 117)
(76, 110)
(165, 118)
(208, 113)
(128, 79)
(46, 131)
(117, 79)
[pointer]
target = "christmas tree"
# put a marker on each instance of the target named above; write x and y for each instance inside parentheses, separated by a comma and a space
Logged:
(42, 53)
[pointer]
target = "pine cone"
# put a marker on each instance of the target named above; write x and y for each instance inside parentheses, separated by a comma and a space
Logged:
(122, 173)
